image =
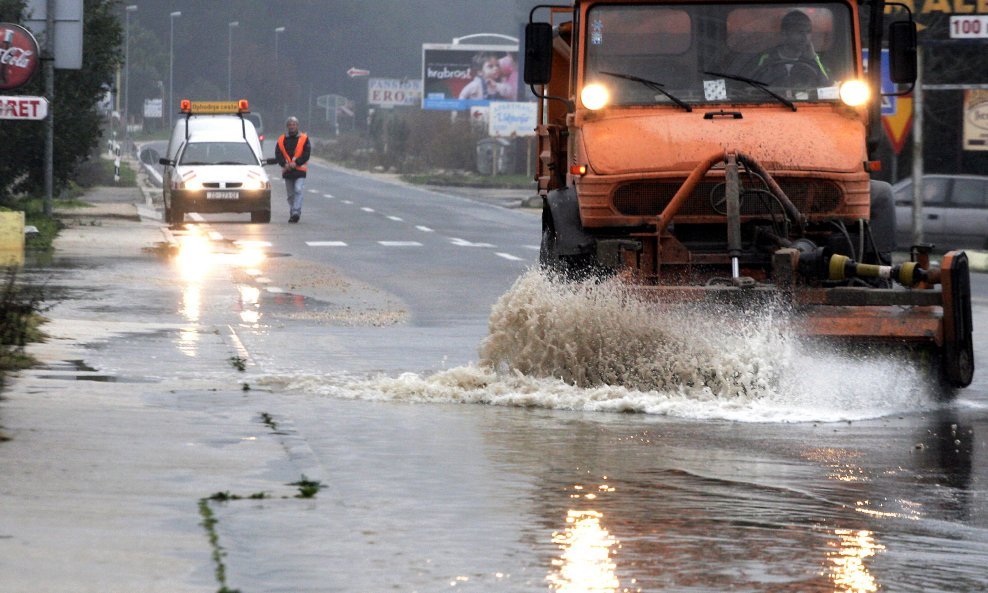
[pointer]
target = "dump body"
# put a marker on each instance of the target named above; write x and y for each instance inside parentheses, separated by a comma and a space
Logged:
(721, 150)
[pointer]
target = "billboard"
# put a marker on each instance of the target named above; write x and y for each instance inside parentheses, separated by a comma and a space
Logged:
(512, 119)
(392, 92)
(458, 77)
(975, 119)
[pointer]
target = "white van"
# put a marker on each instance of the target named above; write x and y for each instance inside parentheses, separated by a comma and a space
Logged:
(214, 163)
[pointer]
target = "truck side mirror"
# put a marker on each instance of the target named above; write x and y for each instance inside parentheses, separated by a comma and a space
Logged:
(166, 162)
(902, 52)
(538, 53)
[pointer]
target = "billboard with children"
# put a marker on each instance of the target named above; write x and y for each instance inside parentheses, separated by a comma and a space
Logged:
(459, 77)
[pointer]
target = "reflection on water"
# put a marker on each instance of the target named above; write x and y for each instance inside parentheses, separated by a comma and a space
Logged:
(250, 298)
(586, 563)
(847, 562)
(197, 257)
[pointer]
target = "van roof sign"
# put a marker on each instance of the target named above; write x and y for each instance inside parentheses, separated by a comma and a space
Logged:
(213, 107)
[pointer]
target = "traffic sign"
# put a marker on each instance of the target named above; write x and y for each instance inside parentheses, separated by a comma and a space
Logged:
(355, 72)
(23, 107)
(898, 124)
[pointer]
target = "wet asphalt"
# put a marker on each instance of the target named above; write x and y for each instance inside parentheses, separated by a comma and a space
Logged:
(140, 457)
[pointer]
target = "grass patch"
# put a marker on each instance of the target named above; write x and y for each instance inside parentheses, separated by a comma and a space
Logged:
(307, 488)
(20, 323)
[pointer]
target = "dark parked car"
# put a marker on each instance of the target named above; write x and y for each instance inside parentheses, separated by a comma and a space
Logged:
(955, 211)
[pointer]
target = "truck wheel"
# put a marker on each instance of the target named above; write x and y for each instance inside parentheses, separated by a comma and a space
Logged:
(261, 216)
(175, 216)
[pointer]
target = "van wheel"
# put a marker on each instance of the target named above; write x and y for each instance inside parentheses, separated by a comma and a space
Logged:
(261, 216)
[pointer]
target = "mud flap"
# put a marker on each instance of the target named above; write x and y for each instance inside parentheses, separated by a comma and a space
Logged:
(564, 208)
(958, 347)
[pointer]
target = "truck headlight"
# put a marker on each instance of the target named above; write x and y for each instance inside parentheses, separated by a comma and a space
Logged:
(594, 96)
(854, 93)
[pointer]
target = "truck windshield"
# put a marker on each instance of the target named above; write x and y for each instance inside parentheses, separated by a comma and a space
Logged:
(720, 53)
(218, 153)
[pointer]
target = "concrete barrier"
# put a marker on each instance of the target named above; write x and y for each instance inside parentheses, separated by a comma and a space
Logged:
(11, 238)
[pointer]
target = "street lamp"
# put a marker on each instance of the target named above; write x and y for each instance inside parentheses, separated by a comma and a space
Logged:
(171, 65)
(277, 30)
(229, 58)
(130, 8)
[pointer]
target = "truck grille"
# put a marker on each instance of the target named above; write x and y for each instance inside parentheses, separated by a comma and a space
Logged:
(649, 198)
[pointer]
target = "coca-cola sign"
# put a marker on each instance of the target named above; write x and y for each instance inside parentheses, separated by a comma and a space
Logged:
(18, 56)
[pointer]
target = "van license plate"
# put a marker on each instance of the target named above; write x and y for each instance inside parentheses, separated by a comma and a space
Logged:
(222, 195)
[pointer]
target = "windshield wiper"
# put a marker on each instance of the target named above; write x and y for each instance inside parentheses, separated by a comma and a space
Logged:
(188, 163)
(655, 86)
(231, 163)
(757, 84)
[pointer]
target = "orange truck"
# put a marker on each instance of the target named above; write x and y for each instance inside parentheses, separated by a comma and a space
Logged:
(722, 151)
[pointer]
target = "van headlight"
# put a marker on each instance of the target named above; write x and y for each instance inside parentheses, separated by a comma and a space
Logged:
(854, 93)
(594, 96)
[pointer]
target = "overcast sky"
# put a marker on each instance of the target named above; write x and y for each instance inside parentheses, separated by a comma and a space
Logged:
(323, 38)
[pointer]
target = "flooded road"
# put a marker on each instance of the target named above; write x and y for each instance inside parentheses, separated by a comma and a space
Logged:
(534, 437)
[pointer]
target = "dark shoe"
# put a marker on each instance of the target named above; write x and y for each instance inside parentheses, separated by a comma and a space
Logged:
(294, 218)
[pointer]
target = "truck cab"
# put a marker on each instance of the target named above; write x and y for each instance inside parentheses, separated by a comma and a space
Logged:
(642, 101)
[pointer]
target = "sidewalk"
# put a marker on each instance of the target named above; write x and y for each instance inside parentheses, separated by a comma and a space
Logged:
(111, 445)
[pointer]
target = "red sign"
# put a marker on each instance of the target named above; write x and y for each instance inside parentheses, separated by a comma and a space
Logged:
(19, 56)
(23, 107)
(355, 72)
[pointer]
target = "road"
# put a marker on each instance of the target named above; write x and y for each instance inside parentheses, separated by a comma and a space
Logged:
(361, 329)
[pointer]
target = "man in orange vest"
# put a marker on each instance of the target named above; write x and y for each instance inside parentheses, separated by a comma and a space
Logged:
(292, 153)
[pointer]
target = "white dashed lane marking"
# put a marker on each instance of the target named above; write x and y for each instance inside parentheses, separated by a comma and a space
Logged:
(509, 257)
(396, 218)
(330, 196)
(313, 191)
(346, 201)
(366, 209)
(400, 243)
(326, 243)
(424, 229)
(464, 243)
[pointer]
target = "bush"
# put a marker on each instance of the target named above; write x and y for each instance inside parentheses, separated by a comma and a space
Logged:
(408, 141)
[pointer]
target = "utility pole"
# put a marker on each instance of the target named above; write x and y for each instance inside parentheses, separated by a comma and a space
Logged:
(50, 93)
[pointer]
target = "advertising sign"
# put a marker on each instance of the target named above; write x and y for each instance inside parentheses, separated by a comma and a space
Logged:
(512, 119)
(975, 119)
(458, 77)
(19, 56)
(152, 108)
(391, 92)
(23, 107)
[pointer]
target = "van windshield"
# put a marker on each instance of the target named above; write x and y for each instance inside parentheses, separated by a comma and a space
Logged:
(716, 53)
(218, 153)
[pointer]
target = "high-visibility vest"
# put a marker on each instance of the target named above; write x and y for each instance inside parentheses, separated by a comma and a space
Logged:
(299, 147)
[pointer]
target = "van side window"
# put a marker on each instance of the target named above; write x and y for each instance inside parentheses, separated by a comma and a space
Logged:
(969, 193)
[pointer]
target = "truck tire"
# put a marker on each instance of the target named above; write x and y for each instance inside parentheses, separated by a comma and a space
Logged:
(261, 216)
(175, 216)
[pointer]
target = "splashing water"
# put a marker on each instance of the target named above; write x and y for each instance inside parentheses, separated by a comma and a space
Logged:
(593, 346)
